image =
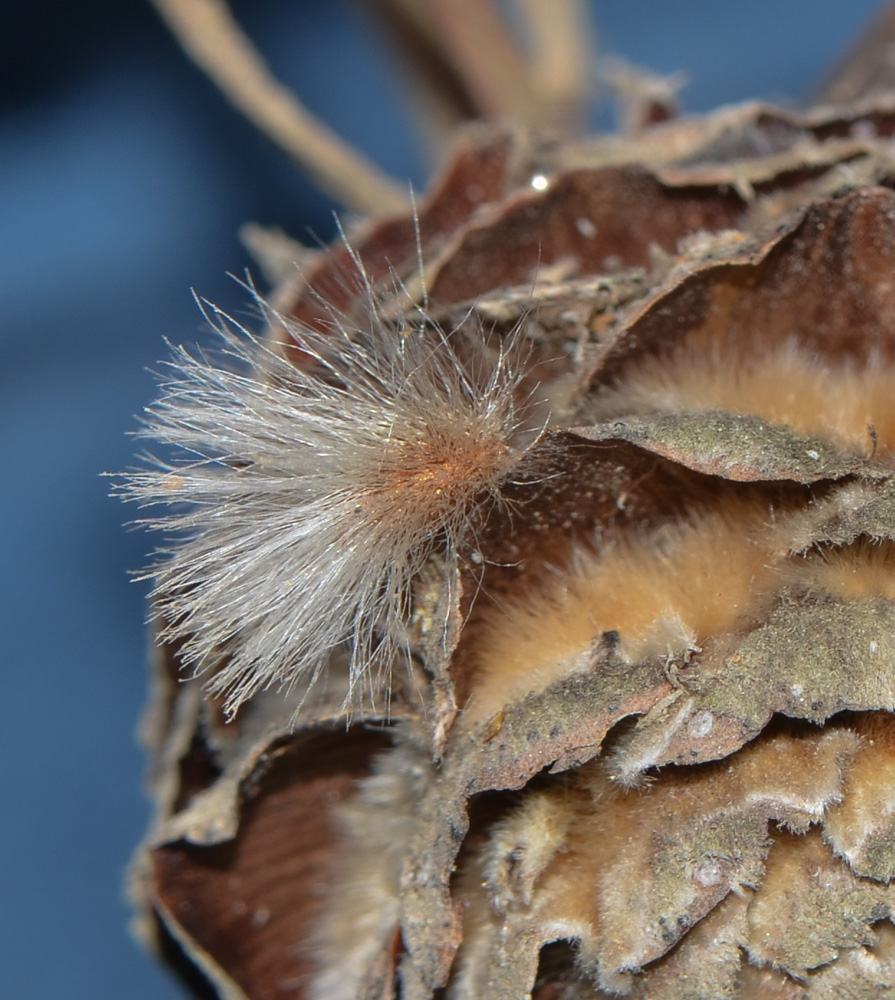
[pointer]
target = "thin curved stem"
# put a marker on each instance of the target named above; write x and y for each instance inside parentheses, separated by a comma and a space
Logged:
(562, 42)
(208, 33)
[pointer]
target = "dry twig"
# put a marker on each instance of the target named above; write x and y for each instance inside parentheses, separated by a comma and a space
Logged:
(208, 33)
(561, 42)
(474, 42)
(868, 66)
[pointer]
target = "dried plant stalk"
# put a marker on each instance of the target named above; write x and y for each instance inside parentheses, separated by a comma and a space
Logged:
(211, 37)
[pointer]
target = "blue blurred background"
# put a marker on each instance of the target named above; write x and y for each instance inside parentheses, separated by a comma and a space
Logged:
(123, 180)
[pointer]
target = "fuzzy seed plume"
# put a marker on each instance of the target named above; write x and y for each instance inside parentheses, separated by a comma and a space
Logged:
(303, 497)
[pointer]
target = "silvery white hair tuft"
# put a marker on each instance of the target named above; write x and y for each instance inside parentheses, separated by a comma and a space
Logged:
(303, 500)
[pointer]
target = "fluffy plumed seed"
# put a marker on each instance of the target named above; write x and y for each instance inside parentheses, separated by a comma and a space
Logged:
(304, 500)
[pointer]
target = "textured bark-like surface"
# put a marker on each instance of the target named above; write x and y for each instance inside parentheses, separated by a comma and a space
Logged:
(686, 843)
(652, 753)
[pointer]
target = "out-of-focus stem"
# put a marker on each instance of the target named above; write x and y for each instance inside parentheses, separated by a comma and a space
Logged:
(211, 37)
(474, 42)
(868, 66)
(561, 43)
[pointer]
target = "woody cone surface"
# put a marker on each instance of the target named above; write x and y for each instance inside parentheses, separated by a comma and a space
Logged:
(655, 755)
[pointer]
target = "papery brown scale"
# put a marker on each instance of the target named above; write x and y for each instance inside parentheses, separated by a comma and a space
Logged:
(707, 820)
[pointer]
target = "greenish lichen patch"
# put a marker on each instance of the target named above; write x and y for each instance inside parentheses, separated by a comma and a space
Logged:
(734, 446)
(863, 508)
(706, 963)
(562, 726)
(861, 973)
(811, 660)
(653, 863)
(811, 907)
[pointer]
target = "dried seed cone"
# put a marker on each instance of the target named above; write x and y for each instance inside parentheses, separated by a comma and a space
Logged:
(653, 753)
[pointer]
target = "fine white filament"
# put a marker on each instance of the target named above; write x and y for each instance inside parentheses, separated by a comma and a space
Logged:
(307, 491)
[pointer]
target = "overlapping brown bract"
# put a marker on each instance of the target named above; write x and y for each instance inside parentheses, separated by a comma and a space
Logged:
(661, 816)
